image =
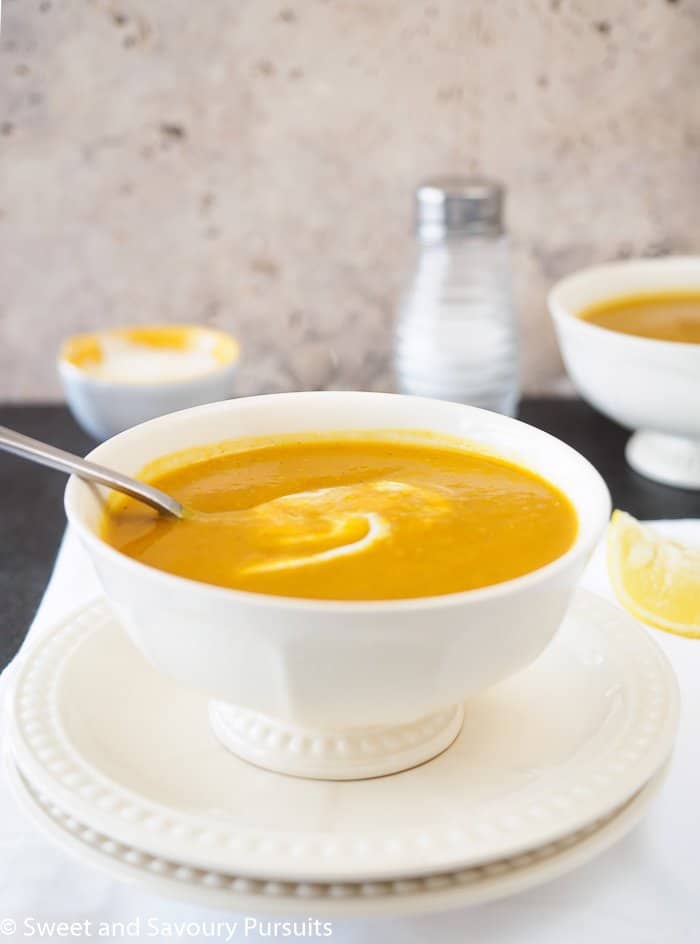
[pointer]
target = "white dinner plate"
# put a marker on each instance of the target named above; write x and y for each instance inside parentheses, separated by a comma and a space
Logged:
(130, 754)
(475, 885)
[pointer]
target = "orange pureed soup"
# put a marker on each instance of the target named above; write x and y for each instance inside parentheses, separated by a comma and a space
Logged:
(346, 517)
(664, 316)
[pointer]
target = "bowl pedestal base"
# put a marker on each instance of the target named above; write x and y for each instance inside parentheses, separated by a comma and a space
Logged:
(671, 460)
(350, 754)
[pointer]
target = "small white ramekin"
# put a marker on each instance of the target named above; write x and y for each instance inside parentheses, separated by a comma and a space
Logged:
(106, 407)
(647, 385)
(298, 681)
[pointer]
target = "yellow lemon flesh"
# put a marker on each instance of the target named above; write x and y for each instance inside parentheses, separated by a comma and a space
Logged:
(656, 579)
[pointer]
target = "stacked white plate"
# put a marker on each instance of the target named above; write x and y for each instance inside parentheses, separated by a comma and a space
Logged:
(120, 766)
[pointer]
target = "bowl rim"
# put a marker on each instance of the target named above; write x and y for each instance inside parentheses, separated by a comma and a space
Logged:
(560, 312)
(71, 372)
(581, 545)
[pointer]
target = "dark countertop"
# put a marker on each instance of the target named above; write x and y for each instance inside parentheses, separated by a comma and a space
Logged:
(31, 497)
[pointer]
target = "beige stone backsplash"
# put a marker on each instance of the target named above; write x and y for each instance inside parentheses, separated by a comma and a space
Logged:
(250, 164)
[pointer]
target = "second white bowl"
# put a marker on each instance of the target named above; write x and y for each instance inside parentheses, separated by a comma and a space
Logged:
(650, 386)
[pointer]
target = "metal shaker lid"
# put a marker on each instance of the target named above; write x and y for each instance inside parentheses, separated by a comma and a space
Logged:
(460, 205)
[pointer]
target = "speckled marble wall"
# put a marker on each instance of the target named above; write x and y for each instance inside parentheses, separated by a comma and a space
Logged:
(250, 163)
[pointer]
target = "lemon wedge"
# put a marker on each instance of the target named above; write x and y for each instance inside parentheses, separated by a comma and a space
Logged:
(655, 579)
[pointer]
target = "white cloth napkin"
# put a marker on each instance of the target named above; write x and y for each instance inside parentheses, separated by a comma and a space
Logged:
(643, 891)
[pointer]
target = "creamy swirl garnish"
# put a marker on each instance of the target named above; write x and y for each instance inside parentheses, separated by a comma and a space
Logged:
(327, 523)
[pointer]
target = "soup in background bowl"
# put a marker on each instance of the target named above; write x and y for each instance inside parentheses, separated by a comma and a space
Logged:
(648, 383)
(661, 316)
(317, 671)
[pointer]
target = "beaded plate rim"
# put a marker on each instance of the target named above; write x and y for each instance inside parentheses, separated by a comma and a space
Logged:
(441, 891)
(50, 761)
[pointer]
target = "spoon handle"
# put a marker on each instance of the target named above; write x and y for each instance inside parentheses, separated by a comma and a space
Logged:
(44, 454)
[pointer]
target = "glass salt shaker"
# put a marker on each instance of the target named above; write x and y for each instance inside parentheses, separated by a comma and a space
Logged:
(456, 337)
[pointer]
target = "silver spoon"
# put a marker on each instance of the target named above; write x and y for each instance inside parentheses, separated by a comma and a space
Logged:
(44, 454)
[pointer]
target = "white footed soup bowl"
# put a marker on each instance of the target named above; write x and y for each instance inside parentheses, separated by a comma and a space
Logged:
(648, 385)
(334, 689)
